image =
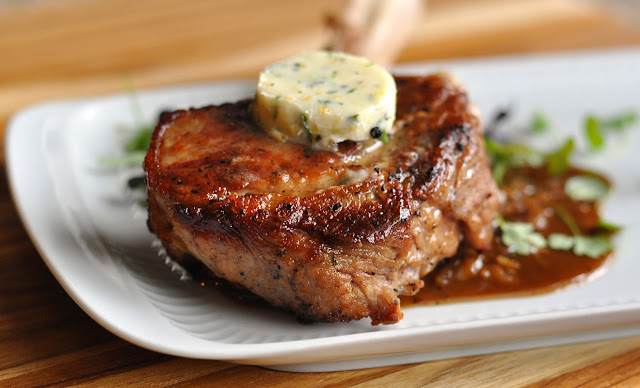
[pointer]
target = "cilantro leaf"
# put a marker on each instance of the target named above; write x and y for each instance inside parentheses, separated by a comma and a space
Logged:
(608, 226)
(141, 141)
(560, 242)
(505, 155)
(593, 131)
(586, 188)
(384, 138)
(539, 122)
(558, 161)
(515, 154)
(596, 128)
(592, 246)
(622, 121)
(567, 219)
(521, 237)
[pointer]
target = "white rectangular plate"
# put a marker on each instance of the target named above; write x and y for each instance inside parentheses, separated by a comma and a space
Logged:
(93, 235)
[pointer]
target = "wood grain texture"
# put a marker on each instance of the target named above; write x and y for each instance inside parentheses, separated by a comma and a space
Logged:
(78, 48)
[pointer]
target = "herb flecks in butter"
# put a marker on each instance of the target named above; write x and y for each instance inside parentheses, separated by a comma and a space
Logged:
(341, 96)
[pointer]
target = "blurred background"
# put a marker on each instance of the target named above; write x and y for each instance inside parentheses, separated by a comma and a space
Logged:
(54, 49)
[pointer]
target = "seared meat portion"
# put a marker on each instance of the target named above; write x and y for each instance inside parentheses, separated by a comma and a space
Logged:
(331, 236)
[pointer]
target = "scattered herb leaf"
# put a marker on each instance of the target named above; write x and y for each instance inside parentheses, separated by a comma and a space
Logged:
(593, 131)
(560, 242)
(514, 153)
(141, 141)
(592, 246)
(596, 128)
(521, 237)
(505, 155)
(607, 226)
(384, 137)
(539, 122)
(558, 161)
(621, 121)
(567, 219)
(586, 188)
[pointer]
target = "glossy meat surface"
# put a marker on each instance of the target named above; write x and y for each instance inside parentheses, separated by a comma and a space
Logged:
(331, 236)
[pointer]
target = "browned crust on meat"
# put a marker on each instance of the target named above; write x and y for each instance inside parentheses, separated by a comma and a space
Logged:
(332, 236)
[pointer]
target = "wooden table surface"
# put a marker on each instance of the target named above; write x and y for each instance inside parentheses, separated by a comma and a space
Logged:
(61, 48)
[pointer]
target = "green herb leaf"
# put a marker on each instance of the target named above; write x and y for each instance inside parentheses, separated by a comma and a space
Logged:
(592, 246)
(521, 237)
(567, 219)
(594, 132)
(596, 128)
(607, 226)
(508, 155)
(499, 170)
(384, 138)
(621, 121)
(586, 188)
(514, 153)
(559, 160)
(305, 126)
(539, 122)
(141, 141)
(560, 242)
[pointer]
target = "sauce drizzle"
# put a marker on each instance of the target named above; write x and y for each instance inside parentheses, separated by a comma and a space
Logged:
(535, 196)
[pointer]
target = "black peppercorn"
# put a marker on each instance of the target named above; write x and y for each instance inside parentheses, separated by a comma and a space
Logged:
(376, 132)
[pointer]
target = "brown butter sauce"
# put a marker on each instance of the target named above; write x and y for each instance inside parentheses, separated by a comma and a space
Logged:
(532, 195)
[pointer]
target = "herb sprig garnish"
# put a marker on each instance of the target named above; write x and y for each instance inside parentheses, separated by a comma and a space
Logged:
(505, 154)
(596, 128)
(136, 147)
(539, 122)
(521, 237)
(592, 246)
(586, 188)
